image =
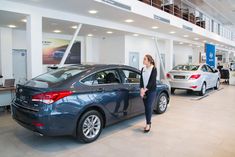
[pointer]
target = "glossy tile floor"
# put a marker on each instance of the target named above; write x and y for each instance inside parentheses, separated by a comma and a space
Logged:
(190, 128)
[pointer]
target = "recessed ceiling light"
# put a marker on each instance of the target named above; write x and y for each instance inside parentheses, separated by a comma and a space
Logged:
(90, 35)
(74, 27)
(129, 20)
(136, 35)
(172, 32)
(24, 20)
(155, 27)
(181, 43)
(93, 11)
(12, 26)
(186, 36)
(196, 38)
(204, 41)
(57, 31)
(109, 32)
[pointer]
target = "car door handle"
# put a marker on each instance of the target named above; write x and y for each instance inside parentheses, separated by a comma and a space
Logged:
(100, 90)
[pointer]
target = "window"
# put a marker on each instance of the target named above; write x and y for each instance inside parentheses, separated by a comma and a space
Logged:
(131, 76)
(186, 67)
(209, 69)
(103, 77)
(204, 69)
(54, 77)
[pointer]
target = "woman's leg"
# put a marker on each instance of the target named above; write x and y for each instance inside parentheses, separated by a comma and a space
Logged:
(149, 105)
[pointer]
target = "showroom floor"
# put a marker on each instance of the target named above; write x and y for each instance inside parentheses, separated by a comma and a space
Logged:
(191, 127)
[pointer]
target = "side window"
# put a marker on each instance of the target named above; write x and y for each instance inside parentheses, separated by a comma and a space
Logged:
(204, 69)
(103, 77)
(209, 69)
(131, 76)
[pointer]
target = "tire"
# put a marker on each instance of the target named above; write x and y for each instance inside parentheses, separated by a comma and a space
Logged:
(172, 90)
(217, 84)
(161, 104)
(203, 90)
(91, 123)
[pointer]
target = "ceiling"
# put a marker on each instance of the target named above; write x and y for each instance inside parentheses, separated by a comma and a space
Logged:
(82, 7)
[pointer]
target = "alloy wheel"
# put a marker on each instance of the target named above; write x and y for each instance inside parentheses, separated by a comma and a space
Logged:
(163, 103)
(91, 126)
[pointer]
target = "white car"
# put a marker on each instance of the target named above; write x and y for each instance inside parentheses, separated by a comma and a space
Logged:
(196, 78)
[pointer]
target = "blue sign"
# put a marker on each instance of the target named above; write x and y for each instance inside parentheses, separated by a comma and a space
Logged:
(210, 55)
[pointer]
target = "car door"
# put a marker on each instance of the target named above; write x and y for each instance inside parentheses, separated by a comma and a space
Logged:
(108, 91)
(206, 76)
(213, 76)
(132, 82)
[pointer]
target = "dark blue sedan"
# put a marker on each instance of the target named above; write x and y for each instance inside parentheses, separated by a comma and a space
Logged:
(81, 100)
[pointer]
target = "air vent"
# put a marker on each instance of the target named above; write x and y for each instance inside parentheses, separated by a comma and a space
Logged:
(117, 4)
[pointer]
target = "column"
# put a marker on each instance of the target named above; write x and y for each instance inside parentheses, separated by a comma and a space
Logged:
(34, 46)
(169, 55)
(6, 65)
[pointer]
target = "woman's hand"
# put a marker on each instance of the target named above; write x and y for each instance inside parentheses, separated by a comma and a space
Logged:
(142, 92)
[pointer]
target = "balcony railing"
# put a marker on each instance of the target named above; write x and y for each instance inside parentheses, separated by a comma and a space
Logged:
(182, 10)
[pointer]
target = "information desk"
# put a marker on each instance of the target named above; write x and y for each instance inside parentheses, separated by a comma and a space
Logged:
(6, 95)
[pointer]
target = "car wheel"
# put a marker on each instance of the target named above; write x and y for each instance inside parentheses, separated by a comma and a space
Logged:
(172, 90)
(217, 84)
(161, 104)
(90, 126)
(203, 89)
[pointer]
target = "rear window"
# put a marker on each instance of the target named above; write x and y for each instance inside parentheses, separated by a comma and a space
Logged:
(54, 77)
(186, 67)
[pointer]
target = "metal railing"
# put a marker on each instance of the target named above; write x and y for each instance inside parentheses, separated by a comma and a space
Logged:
(183, 10)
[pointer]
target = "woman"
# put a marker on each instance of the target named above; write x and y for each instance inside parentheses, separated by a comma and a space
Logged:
(148, 88)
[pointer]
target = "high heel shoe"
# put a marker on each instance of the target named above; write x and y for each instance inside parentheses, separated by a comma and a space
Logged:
(147, 130)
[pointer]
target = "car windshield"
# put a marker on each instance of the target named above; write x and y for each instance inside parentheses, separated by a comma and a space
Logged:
(54, 77)
(186, 67)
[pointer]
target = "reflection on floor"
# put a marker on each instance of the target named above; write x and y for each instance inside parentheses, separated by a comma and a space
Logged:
(203, 128)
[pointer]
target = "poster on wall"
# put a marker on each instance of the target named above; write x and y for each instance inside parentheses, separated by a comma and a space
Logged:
(54, 49)
(210, 55)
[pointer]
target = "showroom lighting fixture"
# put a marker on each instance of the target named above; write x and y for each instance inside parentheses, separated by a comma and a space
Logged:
(57, 31)
(24, 20)
(204, 41)
(196, 38)
(186, 36)
(109, 32)
(93, 11)
(129, 20)
(90, 35)
(12, 26)
(74, 27)
(172, 32)
(155, 27)
(181, 43)
(135, 35)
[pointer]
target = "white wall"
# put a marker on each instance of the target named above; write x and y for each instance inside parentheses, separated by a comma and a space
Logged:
(181, 53)
(6, 52)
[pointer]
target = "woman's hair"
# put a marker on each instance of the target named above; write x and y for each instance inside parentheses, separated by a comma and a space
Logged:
(150, 59)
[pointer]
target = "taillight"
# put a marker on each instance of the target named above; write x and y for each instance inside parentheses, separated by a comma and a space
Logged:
(168, 75)
(51, 97)
(194, 77)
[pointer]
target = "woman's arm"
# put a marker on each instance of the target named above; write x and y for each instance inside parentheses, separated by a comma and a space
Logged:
(152, 79)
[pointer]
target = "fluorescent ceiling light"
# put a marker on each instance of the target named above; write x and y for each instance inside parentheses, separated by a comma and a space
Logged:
(186, 36)
(57, 31)
(129, 20)
(12, 26)
(172, 32)
(74, 27)
(93, 11)
(155, 27)
(136, 35)
(24, 20)
(109, 32)
(90, 35)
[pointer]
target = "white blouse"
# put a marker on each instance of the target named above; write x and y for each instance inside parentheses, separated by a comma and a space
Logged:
(146, 75)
